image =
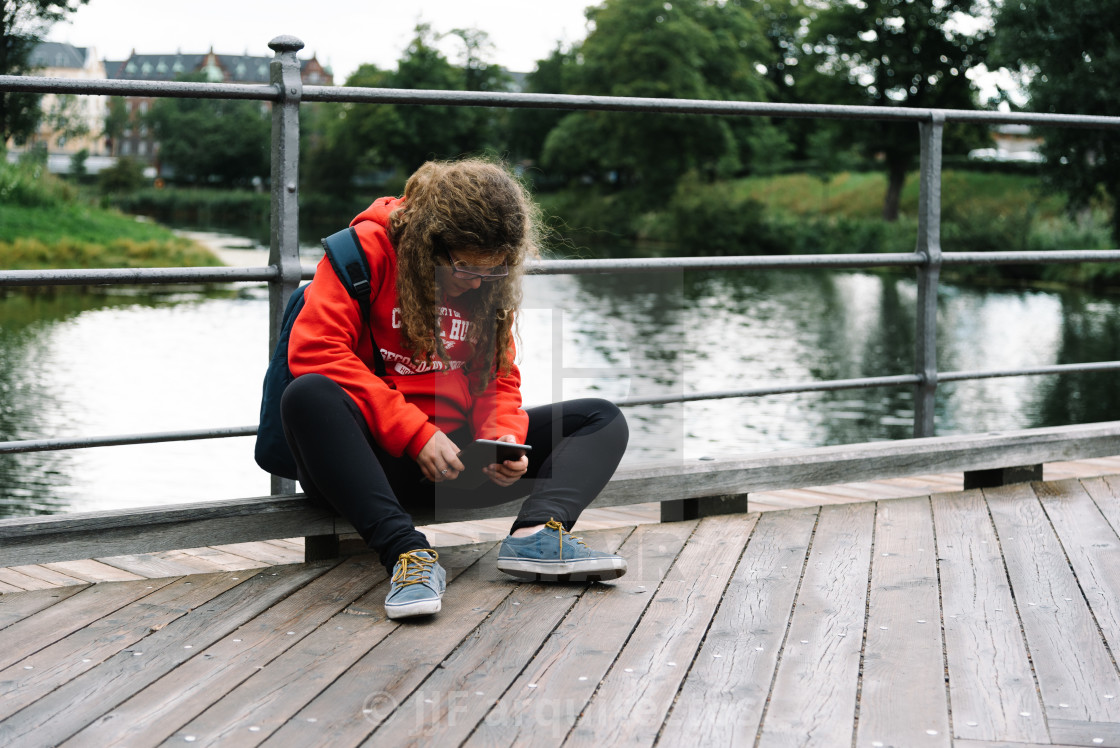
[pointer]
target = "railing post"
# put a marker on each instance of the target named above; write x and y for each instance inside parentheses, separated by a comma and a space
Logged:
(929, 244)
(284, 236)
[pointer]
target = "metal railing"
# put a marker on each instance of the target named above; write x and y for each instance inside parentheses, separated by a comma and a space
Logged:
(284, 272)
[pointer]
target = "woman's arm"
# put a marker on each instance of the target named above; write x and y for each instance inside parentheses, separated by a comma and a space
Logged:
(325, 340)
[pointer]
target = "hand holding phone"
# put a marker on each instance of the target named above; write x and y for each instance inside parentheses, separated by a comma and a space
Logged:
(482, 453)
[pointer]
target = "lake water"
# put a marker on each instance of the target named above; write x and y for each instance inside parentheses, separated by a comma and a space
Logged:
(120, 361)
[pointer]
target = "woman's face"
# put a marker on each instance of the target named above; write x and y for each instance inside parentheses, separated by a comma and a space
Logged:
(466, 269)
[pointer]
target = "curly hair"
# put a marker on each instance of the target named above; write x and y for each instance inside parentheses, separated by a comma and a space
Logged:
(473, 204)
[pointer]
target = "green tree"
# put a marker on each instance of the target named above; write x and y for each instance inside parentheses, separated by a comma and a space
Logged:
(909, 53)
(685, 49)
(23, 24)
(1063, 54)
(528, 128)
(223, 141)
(357, 140)
(438, 131)
(124, 176)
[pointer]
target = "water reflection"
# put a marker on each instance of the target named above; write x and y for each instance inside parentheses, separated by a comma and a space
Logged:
(95, 364)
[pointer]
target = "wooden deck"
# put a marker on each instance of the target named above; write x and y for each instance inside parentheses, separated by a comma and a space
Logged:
(968, 618)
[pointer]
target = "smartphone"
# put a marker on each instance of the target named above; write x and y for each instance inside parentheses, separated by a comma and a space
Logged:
(482, 452)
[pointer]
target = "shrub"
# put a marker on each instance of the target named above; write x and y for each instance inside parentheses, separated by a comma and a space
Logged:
(124, 176)
(29, 183)
(34, 254)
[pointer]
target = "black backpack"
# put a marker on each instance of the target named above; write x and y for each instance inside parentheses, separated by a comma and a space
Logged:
(349, 263)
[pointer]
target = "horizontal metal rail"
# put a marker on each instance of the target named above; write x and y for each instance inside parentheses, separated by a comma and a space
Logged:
(50, 445)
(961, 376)
(12, 278)
(1057, 256)
(689, 106)
(783, 389)
(160, 89)
(343, 94)
(123, 276)
(46, 445)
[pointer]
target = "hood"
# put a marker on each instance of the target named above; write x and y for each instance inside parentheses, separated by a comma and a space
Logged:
(379, 211)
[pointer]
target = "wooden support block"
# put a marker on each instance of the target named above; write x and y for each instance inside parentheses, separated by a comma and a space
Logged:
(320, 548)
(679, 510)
(1002, 476)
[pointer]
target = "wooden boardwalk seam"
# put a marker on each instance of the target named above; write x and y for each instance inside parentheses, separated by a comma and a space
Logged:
(288, 551)
(977, 618)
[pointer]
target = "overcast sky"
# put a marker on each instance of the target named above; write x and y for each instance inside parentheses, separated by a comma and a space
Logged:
(342, 33)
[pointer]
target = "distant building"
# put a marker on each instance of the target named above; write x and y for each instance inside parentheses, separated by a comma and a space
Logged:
(1012, 143)
(137, 141)
(70, 123)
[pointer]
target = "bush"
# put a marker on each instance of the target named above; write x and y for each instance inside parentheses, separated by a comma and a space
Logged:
(30, 184)
(124, 176)
(34, 254)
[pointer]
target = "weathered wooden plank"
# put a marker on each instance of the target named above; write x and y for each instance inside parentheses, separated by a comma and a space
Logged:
(5, 588)
(16, 607)
(155, 565)
(33, 540)
(265, 553)
(1086, 733)
(81, 535)
(41, 629)
(1106, 495)
(991, 684)
(93, 571)
(1093, 549)
(651, 666)
(542, 704)
(48, 575)
(346, 712)
(258, 707)
(23, 582)
(813, 698)
(456, 697)
(1075, 671)
(824, 466)
(157, 712)
(902, 690)
(725, 692)
(66, 710)
(33, 677)
(224, 560)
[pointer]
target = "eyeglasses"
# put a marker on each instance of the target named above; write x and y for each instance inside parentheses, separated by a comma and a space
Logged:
(465, 272)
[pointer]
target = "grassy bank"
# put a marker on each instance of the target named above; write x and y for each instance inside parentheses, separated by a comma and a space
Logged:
(802, 214)
(44, 223)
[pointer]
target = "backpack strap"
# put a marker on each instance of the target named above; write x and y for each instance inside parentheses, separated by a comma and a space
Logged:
(344, 250)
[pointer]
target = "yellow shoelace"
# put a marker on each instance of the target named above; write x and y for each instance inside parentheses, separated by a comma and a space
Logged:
(559, 528)
(412, 568)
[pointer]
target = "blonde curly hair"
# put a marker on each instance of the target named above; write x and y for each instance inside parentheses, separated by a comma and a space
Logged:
(469, 204)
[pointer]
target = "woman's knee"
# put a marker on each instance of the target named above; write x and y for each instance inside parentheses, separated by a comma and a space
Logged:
(603, 414)
(306, 396)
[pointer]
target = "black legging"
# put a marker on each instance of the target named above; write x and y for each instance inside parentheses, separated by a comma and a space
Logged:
(577, 444)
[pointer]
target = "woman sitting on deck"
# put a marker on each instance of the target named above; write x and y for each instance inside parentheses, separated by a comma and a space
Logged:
(446, 262)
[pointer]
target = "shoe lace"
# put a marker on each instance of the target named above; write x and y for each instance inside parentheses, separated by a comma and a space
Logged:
(561, 534)
(413, 568)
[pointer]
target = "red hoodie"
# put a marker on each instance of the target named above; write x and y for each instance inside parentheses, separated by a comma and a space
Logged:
(405, 409)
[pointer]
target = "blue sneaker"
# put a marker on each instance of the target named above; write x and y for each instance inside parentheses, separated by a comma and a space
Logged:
(418, 584)
(555, 555)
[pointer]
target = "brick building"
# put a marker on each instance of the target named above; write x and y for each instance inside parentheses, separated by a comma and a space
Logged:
(136, 140)
(71, 123)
